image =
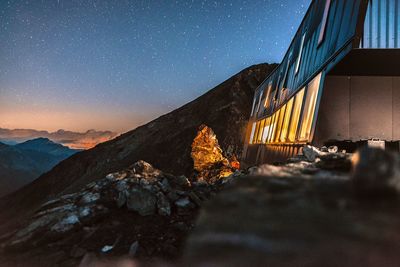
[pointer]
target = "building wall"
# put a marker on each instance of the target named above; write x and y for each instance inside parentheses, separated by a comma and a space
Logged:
(358, 108)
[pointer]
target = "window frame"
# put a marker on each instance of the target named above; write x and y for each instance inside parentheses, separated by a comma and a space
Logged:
(324, 22)
(298, 60)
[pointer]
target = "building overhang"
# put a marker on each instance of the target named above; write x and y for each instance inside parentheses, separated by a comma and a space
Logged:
(369, 62)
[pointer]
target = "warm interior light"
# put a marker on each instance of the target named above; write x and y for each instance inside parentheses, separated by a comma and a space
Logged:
(309, 109)
(298, 102)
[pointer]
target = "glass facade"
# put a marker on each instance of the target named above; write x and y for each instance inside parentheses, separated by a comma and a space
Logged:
(267, 127)
(309, 109)
(285, 125)
(253, 130)
(293, 121)
(381, 26)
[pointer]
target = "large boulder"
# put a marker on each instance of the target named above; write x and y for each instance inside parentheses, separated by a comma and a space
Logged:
(376, 172)
(206, 151)
(142, 200)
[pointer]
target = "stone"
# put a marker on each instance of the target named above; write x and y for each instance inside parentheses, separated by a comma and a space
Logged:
(183, 203)
(133, 249)
(66, 224)
(195, 198)
(333, 149)
(121, 200)
(164, 208)
(142, 201)
(77, 252)
(173, 196)
(164, 185)
(182, 181)
(89, 197)
(376, 172)
(89, 259)
(106, 248)
(206, 151)
(311, 153)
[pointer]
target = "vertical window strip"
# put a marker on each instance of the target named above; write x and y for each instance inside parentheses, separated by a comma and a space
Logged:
(300, 53)
(324, 22)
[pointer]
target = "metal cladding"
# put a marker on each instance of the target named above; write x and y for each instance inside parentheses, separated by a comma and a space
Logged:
(335, 38)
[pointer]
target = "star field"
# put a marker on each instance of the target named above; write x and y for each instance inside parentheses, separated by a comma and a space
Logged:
(116, 64)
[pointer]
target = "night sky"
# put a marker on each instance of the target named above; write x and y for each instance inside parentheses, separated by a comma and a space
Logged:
(112, 65)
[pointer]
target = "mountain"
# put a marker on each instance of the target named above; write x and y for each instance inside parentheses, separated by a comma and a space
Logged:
(22, 163)
(164, 142)
(71, 139)
(45, 145)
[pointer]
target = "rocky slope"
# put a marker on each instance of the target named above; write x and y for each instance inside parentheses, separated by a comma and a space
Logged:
(164, 142)
(139, 212)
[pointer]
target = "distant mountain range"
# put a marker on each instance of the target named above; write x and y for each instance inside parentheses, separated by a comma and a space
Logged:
(71, 139)
(22, 163)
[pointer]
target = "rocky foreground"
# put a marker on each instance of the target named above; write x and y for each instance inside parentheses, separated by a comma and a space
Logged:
(322, 208)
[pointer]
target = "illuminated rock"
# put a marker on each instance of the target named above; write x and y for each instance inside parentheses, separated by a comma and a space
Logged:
(206, 151)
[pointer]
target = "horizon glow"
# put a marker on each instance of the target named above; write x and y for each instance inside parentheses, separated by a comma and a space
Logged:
(114, 65)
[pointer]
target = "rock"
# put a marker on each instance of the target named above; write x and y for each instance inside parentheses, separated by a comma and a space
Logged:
(195, 198)
(142, 201)
(182, 181)
(133, 249)
(333, 149)
(164, 208)
(376, 172)
(205, 149)
(164, 185)
(311, 153)
(66, 224)
(89, 197)
(88, 260)
(146, 170)
(121, 200)
(173, 196)
(106, 248)
(183, 203)
(77, 252)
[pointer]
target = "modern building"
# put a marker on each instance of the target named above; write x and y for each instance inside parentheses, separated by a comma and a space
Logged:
(338, 83)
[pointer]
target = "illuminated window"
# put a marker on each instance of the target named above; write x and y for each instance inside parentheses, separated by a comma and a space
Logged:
(259, 102)
(324, 21)
(253, 129)
(280, 117)
(273, 126)
(256, 133)
(298, 61)
(254, 105)
(268, 95)
(285, 125)
(294, 122)
(309, 109)
(267, 127)
(260, 131)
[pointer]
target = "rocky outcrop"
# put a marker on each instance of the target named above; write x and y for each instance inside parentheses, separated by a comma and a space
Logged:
(210, 165)
(206, 151)
(155, 203)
